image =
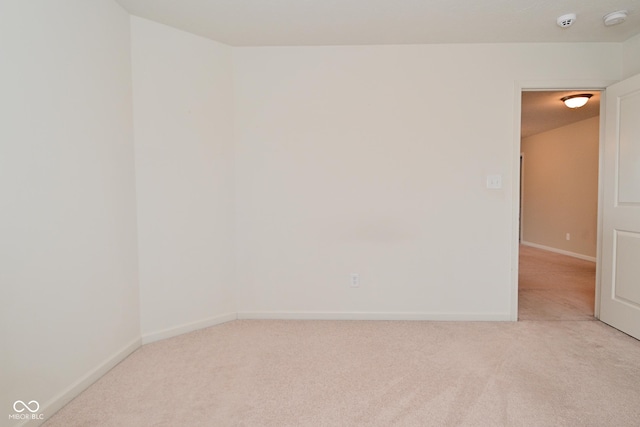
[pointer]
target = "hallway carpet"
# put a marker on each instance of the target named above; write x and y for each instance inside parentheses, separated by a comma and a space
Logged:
(372, 373)
(555, 287)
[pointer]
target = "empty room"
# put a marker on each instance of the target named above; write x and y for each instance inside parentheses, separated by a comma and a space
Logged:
(293, 213)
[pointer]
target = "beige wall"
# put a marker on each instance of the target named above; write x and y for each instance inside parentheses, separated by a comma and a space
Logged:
(183, 124)
(68, 253)
(631, 57)
(373, 160)
(560, 187)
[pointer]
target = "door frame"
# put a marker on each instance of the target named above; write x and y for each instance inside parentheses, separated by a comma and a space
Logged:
(548, 85)
(521, 197)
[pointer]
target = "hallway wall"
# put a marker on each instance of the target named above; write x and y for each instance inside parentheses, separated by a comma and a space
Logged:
(560, 188)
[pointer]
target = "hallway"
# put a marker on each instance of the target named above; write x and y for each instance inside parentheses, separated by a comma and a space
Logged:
(554, 287)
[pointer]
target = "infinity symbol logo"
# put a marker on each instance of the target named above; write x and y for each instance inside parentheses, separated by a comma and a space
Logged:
(26, 406)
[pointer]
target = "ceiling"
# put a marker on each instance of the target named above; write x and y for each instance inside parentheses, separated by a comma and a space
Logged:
(365, 22)
(543, 110)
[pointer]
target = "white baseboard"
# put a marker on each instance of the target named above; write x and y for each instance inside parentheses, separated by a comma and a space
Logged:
(317, 315)
(187, 327)
(66, 396)
(559, 251)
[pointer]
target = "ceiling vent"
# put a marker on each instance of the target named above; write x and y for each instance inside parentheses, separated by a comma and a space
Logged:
(565, 21)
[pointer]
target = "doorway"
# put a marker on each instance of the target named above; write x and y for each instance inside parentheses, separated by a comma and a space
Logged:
(558, 198)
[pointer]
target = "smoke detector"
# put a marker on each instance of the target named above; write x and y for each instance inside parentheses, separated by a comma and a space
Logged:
(615, 18)
(565, 21)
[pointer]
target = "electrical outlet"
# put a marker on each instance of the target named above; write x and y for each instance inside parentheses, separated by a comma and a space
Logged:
(355, 280)
(568, 236)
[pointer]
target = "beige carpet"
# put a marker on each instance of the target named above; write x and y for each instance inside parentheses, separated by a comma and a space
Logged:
(367, 373)
(341, 373)
(555, 287)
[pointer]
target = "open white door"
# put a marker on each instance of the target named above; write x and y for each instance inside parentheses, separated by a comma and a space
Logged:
(620, 279)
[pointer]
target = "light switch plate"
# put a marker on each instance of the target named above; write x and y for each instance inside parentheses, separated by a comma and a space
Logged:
(494, 182)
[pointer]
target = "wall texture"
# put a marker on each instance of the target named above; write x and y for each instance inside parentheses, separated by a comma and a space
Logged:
(68, 256)
(561, 187)
(373, 160)
(184, 167)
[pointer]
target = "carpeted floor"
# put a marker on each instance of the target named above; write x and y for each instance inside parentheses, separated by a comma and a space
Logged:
(367, 373)
(555, 287)
(373, 373)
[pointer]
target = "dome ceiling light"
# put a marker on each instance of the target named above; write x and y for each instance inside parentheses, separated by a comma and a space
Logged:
(576, 101)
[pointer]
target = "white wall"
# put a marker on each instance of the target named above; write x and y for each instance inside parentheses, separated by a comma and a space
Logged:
(560, 183)
(373, 160)
(68, 263)
(183, 97)
(631, 57)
